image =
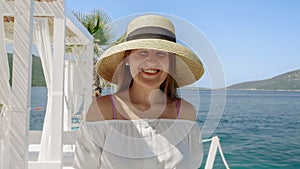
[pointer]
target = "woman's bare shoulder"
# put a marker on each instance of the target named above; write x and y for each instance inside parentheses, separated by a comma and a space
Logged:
(187, 111)
(100, 109)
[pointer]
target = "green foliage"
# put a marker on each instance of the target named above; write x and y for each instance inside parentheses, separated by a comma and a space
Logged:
(97, 23)
(38, 78)
(10, 60)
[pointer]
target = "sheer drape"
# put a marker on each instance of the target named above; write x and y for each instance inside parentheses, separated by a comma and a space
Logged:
(73, 90)
(77, 77)
(76, 81)
(43, 44)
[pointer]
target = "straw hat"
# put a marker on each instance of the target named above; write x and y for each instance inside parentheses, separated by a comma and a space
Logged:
(152, 32)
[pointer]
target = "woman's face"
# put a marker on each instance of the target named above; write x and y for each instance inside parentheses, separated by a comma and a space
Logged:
(149, 67)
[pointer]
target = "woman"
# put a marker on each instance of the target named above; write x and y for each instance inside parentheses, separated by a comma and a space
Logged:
(144, 124)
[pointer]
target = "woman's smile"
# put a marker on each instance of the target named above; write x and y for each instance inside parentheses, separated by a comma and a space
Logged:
(150, 71)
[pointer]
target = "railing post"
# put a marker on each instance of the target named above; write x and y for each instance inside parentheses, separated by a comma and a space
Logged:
(212, 153)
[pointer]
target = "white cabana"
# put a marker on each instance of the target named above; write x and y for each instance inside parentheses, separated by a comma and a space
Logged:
(51, 27)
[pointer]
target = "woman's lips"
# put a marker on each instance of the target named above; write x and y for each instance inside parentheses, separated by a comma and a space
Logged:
(150, 71)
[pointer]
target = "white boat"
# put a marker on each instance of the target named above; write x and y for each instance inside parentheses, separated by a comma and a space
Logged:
(46, 28)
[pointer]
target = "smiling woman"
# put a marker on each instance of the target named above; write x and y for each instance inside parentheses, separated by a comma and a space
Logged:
(157, 129)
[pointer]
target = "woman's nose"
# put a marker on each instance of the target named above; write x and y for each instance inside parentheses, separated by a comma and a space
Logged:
(152, 57)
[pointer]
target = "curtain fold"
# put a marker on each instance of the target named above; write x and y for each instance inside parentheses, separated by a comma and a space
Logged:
(43, 44)
(77, 81)
(75, 84)
(84, 66)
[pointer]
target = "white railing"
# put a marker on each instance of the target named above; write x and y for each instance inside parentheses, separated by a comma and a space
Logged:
(68, 150)
(214, 146)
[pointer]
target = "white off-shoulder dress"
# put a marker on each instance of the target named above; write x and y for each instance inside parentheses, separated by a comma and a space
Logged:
(138, 144)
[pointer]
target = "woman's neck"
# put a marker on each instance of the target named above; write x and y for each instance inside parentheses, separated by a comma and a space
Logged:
(145, 95)
(142, 102)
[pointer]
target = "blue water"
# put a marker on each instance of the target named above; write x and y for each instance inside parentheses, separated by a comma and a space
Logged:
(258, 129)
(38, 99)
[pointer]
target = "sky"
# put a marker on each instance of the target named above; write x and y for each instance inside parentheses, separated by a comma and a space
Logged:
(254, 39)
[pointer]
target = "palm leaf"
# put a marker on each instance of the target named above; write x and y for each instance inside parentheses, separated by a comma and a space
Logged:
(97, 24)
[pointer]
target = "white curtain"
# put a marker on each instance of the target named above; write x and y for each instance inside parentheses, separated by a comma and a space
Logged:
(84, 68)
(69, 103)
(73, 91)
(76, 83)
(43, 44)
(5, 96)
(77, 80)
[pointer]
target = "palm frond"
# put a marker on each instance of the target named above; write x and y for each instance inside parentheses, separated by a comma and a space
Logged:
(97, 24)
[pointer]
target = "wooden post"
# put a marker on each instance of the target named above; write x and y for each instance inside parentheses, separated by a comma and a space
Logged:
(4, 75)
(21, 85)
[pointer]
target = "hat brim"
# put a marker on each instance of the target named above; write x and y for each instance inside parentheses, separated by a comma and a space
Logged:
(188, 66)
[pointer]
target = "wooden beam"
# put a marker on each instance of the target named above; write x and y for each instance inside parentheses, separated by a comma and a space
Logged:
(69, 137)
(21, 84)
(4, 75)
(40, 8)
(51, 9)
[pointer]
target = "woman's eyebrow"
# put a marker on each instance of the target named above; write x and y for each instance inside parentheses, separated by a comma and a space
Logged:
(161, 52)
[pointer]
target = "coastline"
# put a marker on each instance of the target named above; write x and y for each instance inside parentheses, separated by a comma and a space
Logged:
(246, 89)
(267, 90)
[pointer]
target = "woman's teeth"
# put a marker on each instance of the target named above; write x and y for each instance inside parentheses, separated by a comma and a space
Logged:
(150, 70)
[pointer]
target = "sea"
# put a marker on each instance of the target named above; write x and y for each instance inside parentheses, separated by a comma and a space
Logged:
(257, 129)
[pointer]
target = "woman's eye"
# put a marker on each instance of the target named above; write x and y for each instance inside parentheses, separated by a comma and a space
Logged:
(161, 54)
(143, 53)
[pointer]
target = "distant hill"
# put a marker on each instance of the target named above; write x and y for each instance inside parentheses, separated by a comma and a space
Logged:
(38, 78)
(286, 81)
